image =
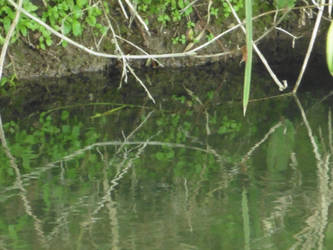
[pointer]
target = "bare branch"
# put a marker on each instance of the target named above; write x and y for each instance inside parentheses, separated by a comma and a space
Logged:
(9, 36)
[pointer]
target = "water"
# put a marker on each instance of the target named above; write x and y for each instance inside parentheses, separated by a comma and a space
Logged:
(95, 167)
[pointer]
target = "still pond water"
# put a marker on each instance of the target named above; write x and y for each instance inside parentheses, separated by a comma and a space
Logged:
(90, 166)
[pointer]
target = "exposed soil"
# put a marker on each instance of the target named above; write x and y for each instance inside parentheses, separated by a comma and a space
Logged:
(27, 62)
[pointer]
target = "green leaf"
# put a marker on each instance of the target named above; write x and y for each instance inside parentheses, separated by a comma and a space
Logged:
(181, 4)
(249, 45)
(28, 6)
(23, 30)
(77, 12)
(64, 43)
(64, 115)
(48, 41)
(81, 3)
(6, 23)
(67, 28)
(77, 28)
(329, 48)
(10, 13)
(3, 81)
(42, 45)
(91, 20)
(31, 25)
(106, 6)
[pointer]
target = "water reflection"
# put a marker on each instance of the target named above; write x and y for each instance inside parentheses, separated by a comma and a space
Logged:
(192, 176)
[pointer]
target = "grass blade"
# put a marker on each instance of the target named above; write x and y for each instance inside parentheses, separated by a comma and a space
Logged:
(248, 65)
(329, 48)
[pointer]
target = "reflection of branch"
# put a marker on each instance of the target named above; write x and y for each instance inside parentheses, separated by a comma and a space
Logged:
(109, 186)
(275, 220)
(111, 205)
(149, 143)
(23, 191)
(308, 127)
(134, 131)
(114, 182)
(249, 153)
(312, 236)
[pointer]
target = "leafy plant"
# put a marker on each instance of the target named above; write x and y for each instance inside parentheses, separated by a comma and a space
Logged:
(164, 18)
(68, 17)
(214, 11)
(237, 5)
(179, 39)
(11, 81)
(210, 36)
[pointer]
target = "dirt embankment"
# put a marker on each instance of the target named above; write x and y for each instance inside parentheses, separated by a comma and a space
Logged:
(26, 61)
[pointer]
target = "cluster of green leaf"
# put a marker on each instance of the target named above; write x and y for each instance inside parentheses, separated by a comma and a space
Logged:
(7, 14)
(7, 82)
(171, 12)
(68, 17)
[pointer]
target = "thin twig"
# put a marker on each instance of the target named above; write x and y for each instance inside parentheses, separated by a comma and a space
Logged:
(137, 16)
(140, 49)
(289, 34)
(123, 8)
(310, 47)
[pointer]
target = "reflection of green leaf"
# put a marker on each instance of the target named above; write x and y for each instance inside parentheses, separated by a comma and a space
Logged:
(64, 115)
(77, 29)
(12, 232)
(280, 147)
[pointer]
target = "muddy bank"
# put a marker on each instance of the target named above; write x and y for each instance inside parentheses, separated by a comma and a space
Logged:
(26, 61)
